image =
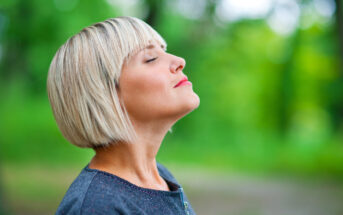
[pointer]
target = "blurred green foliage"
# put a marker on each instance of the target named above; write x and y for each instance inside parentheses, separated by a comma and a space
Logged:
(270, 103)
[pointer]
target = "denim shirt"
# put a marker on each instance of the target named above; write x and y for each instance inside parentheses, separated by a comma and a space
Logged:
(98, 192)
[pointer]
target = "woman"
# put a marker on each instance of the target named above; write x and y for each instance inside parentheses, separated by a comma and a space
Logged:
(115, 89)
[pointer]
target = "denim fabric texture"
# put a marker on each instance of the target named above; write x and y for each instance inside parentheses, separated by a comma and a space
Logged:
(97, 192)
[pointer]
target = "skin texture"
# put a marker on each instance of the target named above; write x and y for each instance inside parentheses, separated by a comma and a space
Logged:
(146, 87)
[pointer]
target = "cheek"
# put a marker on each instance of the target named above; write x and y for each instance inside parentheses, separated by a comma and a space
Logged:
(144, 86)
(146, 91)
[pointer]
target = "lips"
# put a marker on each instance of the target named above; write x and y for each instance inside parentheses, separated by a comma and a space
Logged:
(182, 81)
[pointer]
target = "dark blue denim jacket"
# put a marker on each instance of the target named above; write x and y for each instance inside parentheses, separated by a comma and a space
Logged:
(97, 192)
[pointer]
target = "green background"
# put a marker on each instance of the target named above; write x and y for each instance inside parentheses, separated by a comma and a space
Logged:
(271, 92)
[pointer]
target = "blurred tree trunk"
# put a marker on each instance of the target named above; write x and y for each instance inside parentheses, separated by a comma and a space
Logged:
(205, 26)
(336, 88)
(154, 11)
(16, 42)
(286, 87)
(339, 26)
(286, 83)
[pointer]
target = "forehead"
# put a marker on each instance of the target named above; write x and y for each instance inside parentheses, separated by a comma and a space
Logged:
(150, 47)
(153, 45)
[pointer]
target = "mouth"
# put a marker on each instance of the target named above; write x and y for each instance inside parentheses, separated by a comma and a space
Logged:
(184, 81)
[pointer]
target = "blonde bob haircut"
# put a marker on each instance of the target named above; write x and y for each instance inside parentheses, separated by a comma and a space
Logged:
(83, 81)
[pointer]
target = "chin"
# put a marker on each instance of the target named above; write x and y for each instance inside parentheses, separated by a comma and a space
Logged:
(192, 103)
(184, 106)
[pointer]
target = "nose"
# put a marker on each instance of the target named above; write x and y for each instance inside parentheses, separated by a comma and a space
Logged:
(177, 64)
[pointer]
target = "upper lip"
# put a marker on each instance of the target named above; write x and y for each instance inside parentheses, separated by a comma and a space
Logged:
(180, 82)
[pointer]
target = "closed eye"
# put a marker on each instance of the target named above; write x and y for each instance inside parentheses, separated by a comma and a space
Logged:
(152, 59)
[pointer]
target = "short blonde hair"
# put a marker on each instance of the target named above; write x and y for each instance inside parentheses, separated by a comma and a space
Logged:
(83, 81)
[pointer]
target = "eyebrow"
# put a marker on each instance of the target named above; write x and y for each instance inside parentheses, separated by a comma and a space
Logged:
(152, 46)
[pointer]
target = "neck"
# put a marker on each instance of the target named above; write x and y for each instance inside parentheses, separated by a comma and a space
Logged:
(136, 161)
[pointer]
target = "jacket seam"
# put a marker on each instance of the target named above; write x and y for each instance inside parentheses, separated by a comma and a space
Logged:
(84, 196)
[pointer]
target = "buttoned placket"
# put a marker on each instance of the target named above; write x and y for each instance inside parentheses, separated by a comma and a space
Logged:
(184, 203)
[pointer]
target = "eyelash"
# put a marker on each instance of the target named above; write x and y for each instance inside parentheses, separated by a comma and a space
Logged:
(148, 61)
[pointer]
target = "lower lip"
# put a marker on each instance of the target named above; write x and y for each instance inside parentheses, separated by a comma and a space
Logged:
(185, 83)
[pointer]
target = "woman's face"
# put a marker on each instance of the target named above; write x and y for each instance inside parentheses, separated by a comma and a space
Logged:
(147, 86)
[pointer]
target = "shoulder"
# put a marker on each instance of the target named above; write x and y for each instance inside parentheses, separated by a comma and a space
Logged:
(98, 192)
(72, 200)
(92, 192)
